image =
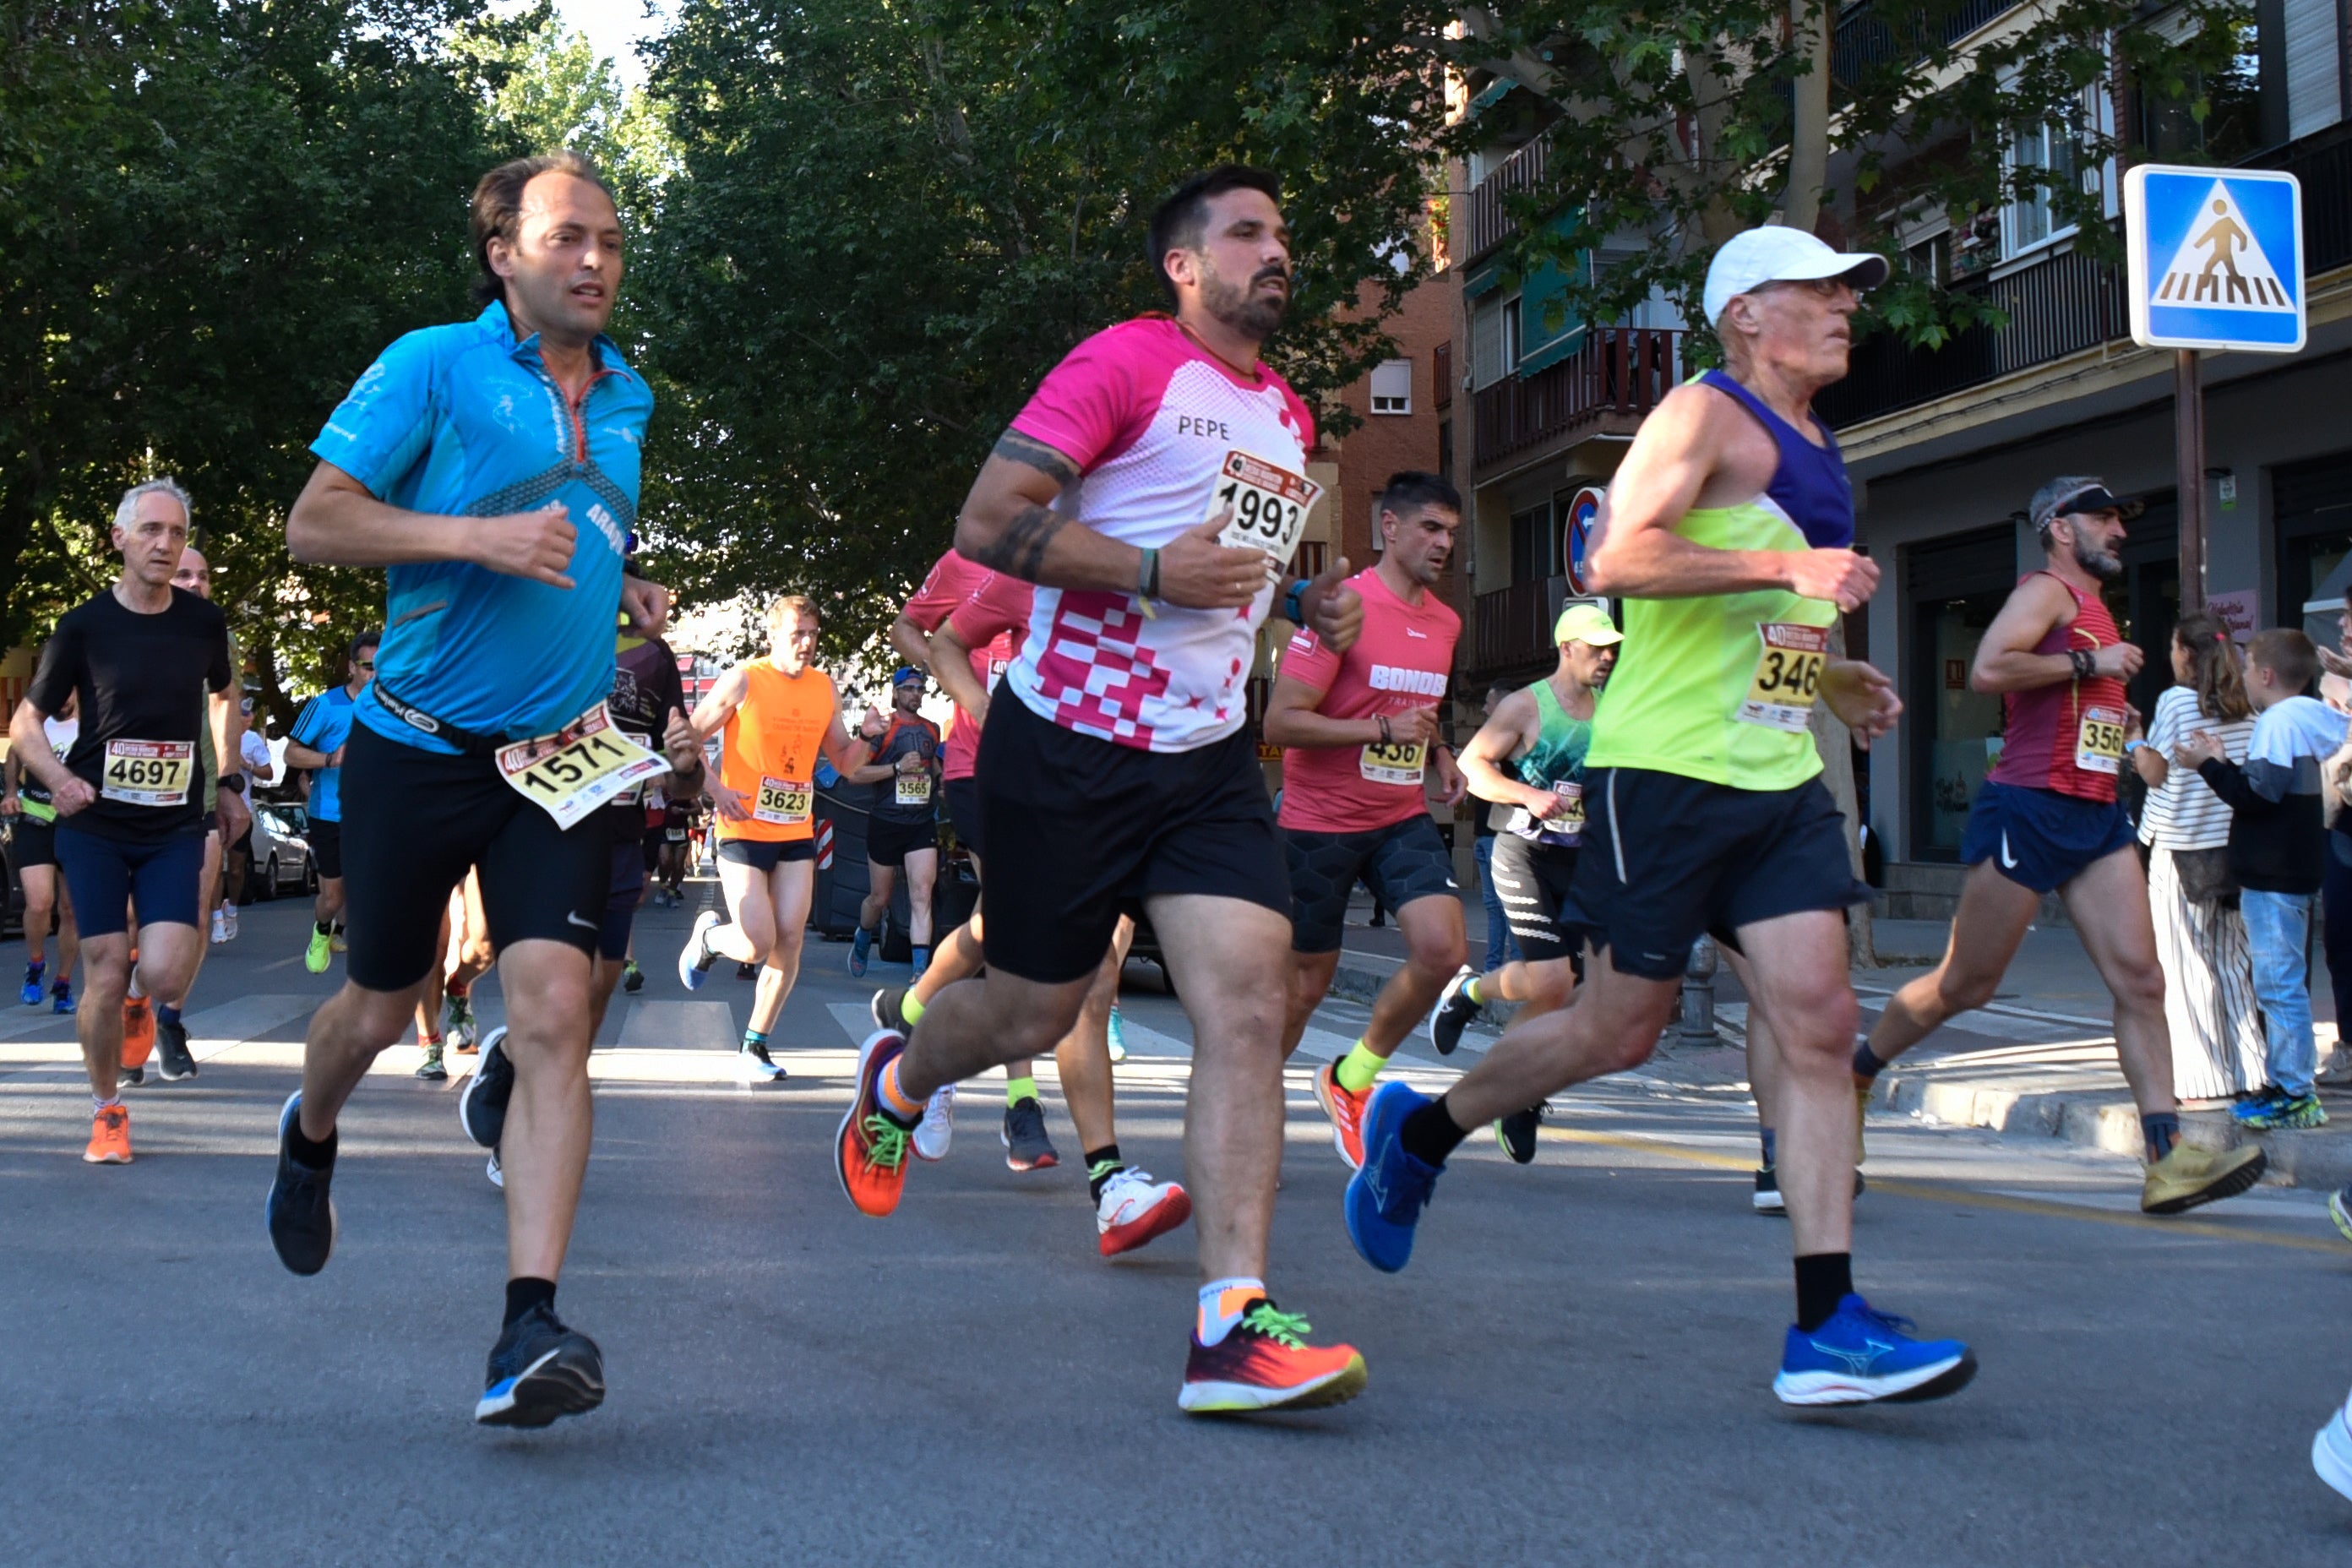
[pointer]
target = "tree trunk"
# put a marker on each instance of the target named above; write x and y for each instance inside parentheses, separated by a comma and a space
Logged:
(1836, 744)
(1808, 139)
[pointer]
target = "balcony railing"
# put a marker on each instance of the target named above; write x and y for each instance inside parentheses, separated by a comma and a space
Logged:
(1615, 370)
(1513, 625)
(1865, 37)
(1490, 224)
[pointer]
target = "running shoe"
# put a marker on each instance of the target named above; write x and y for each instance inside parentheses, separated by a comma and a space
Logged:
(431, 1068)
(228, 915)
(33, 993)
(1861, 1355)
(1385, 1197)
(457, 1023)
(860, 946)
(1516, 1135)
(109, 1138)
(220, 926)
(1026, 1145)
(937, 1128)
(747, 971)
(1345, 1107)
(540, 1370)
(2249, 1110)
(2282, 1111)
(1266, 1364)
(318, 953)
(2187, 1177)
(1133, 1209)
(889, 1008)
(482, 1106)
(337, 942)
(175, 1060)
(920, 959)
(632, 979)
(869, 1150)
(61, 999)
(2331, 1450)
(496, 1172)
(1118, 1037)
(2339, 1209)
(300, 1211)
(754, 1065)
(1768, 1192)
(1452, 1012)
(137, 1037)
(695, 958)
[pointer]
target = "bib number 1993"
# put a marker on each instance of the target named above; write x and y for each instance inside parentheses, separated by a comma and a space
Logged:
(1269, 506)
(1788, 678)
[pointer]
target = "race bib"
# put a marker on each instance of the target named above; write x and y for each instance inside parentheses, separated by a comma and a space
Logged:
(996, 668)
(673, 835)
(914, 789)
(1788, 676)
(580, 767)
(1567, 828)
(2099, 745)
(1269, 506)
(1394, 761)
(784, 802)
(148, 772)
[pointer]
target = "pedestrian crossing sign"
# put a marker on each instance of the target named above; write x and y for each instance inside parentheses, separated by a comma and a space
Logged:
(2215, 258)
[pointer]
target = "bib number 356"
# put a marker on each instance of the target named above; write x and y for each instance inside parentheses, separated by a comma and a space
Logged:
(2099, 745)
(580, 767)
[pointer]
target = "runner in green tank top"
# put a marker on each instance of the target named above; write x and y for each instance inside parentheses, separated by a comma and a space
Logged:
(1728, 532)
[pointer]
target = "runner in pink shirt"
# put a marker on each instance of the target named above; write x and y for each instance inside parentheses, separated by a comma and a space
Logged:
(1154, 490)
(1360, 733)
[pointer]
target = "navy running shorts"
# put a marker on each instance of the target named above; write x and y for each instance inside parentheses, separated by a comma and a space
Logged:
(104, 875)
(2039, 839)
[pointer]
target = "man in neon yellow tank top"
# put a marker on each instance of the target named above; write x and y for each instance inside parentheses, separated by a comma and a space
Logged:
(1730, 535)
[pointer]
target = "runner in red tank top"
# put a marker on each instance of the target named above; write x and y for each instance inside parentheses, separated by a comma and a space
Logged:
(2047, 819)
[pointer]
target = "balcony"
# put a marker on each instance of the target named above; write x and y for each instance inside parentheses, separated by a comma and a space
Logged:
(1865, 37)
(1513, 625)
(1614, 377)
(1490, 224)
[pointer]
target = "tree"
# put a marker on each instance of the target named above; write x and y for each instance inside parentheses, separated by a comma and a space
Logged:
(885, 223)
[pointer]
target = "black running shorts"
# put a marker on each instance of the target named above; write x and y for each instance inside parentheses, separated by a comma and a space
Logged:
(1093, 828)
(963, 797)
(764, 855)
(624, 887)
(1533, 881)
(1400, 863)
(326, 841)
(1667, 860)
(32, 843)
(414, 821)
(889, 843)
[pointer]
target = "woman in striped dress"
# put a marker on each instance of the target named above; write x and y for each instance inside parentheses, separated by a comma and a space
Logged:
(2200, 939)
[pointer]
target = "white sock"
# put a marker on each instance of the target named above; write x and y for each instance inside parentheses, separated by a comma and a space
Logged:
(1222, 1302)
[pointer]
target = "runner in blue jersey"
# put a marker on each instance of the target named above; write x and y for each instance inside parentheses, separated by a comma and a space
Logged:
(491, 465)
(321, 733)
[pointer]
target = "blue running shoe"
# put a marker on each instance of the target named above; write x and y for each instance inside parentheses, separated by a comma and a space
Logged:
(302, 1213)
(62, 999)
(860, 946)
(1861, 1355)
(1385, 1197)
(36, 986)
(2260, 1108)
(922, 959)
(538, 1371)
(695, 958)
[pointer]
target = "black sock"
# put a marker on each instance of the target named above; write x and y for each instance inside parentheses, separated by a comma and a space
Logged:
(1428, 1134)
(326, 927)
(338, 928)
(1102, 1164)
(525, 1293)
(1764, 1135)
(1824, 1279)
(2162, 1130)
(1865, 1061)
(310, 1156)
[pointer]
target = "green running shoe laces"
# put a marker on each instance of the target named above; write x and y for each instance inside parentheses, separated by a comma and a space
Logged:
(1286, 1329)
(886, 1143)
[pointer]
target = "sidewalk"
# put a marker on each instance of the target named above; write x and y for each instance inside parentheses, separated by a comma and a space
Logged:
(2038, 1062)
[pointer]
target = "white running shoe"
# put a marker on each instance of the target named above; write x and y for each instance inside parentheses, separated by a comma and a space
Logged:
(220, 926)
(1134, 1209)
(694, 959)
(2331, 1450)
(497, 1172)
(937, 1128)
(228, 914)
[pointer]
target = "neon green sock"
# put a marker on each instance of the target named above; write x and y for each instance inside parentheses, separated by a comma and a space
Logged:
(1358, 1068)
(1017, 1090)
(1472, 992)
(911, 1007)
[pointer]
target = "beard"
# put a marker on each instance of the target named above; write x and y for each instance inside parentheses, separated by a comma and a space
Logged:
(2104, 567)
(1253, 315)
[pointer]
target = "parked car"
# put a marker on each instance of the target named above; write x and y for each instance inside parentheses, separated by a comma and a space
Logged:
(281, 855)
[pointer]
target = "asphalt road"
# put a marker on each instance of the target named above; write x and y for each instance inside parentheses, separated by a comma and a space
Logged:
(1575, 1369)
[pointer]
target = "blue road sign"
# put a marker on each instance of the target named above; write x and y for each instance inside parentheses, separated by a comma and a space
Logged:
(2216, 258)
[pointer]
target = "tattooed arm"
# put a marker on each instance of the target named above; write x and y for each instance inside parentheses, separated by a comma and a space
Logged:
(1009, 524)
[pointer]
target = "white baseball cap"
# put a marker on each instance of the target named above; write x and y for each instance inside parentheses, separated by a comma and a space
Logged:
(1777, 254)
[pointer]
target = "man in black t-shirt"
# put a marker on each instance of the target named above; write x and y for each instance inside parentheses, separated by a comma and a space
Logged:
(141, 659)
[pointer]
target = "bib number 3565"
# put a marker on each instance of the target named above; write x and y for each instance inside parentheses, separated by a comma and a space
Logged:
(580, 767)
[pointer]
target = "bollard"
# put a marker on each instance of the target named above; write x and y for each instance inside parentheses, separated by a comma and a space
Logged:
(1698, 993)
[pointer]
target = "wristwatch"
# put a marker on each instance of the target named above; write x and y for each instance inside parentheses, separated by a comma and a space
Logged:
(233, 782)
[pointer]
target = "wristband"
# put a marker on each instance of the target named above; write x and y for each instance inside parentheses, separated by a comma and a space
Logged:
(1388, 737)
(1294, 604)
(233, 782)
(2131, 746)
(2085, 664)
(1147, 575)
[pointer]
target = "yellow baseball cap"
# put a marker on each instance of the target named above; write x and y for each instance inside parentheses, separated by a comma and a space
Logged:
(1586, 623)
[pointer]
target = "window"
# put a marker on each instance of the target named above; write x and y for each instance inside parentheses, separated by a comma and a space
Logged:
(2032, 218)
(1930, 258)
(1514, 343)
(1486, 363)
(1445, 448)
(1393, 386)
(1532, 551)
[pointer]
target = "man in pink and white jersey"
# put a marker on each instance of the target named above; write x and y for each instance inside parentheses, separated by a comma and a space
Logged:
(1122, 775)
(1359, 732)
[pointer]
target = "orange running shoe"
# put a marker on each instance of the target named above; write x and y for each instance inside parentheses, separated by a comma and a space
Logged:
(109, 1138)
(1266, 1364)
(869, 1152)
(1345, 1107)
(137, 1030)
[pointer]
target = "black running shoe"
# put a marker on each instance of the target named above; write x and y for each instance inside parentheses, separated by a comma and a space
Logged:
(1516, 1135)
(1768, 1192)
(540, 1370)
(171, 1047)
(889, 1009)
(1452, 1014)
(482, 1107)
(1026, 1145)
(302, 1213)
(747, 972)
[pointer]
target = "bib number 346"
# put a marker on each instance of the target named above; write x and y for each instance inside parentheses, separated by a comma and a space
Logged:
(580, 767)
(1788, 678)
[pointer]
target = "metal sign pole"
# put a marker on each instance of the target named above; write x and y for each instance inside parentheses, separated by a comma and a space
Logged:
(2188, 460)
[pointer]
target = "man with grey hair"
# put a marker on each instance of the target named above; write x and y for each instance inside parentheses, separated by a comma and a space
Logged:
(2046, 819)
(139, 659)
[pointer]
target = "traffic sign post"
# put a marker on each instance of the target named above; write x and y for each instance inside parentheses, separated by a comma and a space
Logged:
(2214, 259)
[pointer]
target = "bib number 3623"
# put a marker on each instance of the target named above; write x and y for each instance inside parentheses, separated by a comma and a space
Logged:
(2099, 745)
(1269, 506)
(783, 802)
(148, 772)
(580, 767)
(1788, 678)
